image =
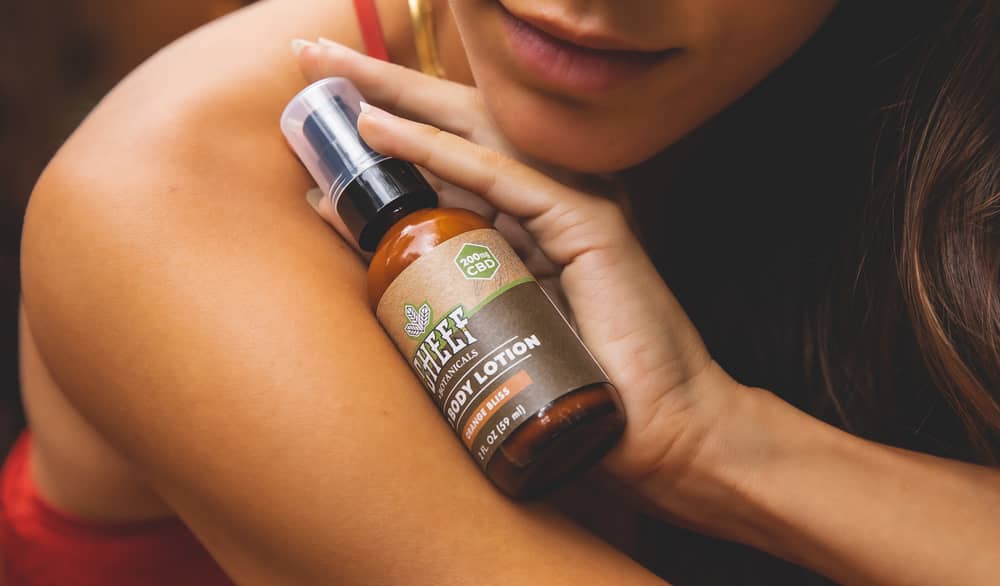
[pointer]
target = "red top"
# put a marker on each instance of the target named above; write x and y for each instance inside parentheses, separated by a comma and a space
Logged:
(45, 547)
(371, 29)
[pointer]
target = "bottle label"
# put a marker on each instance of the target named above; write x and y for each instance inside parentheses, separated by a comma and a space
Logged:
(489, 346)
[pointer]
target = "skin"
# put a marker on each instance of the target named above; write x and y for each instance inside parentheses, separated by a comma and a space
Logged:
(222, 302)
(726, 47)
(701, 449)
(317, 491)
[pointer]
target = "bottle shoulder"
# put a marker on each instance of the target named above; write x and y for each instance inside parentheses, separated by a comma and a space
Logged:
(411, 238)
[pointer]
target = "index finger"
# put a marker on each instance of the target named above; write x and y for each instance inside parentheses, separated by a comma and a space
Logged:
(564, 222)
(443, 103)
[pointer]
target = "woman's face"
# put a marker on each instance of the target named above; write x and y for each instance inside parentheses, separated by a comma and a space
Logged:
(601, 85)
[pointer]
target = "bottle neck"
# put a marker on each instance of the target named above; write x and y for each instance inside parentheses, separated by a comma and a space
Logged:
(379, 197)
(395, 219)
(411, 237)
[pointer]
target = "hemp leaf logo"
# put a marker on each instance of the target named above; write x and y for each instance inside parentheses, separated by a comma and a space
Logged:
(417, 320)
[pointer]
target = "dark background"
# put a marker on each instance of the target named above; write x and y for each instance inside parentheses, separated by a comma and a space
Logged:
(57, 58)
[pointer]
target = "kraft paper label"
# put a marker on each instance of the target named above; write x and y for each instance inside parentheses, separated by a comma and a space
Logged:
(489, 346)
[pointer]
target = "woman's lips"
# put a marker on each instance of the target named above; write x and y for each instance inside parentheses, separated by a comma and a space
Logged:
(571, 66)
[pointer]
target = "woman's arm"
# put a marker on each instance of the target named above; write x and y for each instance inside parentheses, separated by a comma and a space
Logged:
(757, 470)
(198, 313)
(857, 511)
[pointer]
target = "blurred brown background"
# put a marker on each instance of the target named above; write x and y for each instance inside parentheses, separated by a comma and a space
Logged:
(57, 58)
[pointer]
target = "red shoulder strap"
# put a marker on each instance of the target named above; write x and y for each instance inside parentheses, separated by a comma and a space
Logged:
(371, 29)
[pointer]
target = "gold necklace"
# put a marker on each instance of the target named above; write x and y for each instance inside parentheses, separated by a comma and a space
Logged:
(422, 17)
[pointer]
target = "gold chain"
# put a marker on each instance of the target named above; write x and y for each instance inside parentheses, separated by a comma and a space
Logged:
(422, 16)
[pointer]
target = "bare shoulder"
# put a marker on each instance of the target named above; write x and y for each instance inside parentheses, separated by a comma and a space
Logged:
(178, 178)
(180, 162)
(176, 198)
(196, 126)
(186, 149)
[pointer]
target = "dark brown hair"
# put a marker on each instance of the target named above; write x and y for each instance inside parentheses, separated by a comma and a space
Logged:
(926, 262)
(947, 177)
(835, 235)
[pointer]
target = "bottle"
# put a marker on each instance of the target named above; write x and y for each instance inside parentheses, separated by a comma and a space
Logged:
(505, 368)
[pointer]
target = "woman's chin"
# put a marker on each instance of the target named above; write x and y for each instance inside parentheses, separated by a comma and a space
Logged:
(575, 150)
(584, 138)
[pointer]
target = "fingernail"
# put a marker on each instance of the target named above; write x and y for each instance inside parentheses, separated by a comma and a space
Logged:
(375, 112)
(314, 196)
(299, 44)
(335, 45)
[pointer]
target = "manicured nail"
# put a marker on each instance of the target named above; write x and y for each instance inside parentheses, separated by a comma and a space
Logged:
(314, 196)
(299, 44)
(375, 112)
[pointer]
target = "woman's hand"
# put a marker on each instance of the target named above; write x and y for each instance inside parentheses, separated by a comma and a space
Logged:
(698, 447)
(455, 108)
(623, 310)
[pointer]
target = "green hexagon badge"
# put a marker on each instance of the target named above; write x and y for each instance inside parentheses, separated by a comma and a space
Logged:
(477, 262)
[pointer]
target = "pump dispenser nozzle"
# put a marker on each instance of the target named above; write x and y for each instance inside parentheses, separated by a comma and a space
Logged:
(369, 190)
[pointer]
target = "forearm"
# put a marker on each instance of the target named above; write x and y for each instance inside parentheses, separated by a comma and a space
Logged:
(856, 511)
(226, 347)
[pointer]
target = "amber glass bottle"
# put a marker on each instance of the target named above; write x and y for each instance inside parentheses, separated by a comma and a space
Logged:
(504, 367)
(568, 434)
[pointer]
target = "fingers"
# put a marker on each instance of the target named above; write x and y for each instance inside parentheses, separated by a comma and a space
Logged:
(450, 196)
(524, 245)
(443, 103)
(566, 223)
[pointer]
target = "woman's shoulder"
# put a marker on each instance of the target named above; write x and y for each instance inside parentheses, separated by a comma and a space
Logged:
(179, 178)
(224, 81)
(198, 120)
(184, 159)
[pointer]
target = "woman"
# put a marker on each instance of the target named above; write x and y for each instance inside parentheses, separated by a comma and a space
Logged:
(189, 313)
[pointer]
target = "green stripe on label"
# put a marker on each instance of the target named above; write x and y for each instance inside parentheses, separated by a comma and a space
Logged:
(498, 293)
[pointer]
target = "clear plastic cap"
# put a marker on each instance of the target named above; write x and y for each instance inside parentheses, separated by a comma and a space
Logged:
(321, 125)
(370, 192)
